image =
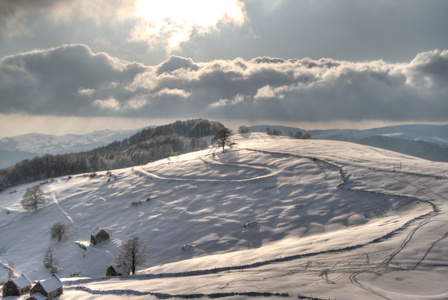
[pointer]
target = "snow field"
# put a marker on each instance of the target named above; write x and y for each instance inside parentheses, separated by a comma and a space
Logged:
(317, 218)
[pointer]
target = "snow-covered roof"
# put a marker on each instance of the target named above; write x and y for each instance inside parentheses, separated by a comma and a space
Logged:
(39, 296)
(52, 283)
(21, 281)
(97, 230)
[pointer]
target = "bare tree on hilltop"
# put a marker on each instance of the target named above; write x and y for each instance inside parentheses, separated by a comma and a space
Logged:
(243, 129)
(222, 138)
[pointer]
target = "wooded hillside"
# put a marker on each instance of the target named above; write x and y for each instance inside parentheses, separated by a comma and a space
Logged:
(143, 147)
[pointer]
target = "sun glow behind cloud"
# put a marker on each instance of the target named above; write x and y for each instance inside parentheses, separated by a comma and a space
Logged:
(175, 20)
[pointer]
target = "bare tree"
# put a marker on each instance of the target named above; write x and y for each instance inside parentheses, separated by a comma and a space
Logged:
(222, 138)
(198, 144)
(274, 131)
(58, 231)
(50, 262)
(33, 198)
(133, 253)
(10, 267)
(243, 129)
(307, 136)
(298, 135)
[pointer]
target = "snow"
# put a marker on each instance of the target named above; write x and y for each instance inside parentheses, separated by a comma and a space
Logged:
(96, 231)
(21, 281)
(435, 134)
(272, 216)
(50, 284)
(39, 296)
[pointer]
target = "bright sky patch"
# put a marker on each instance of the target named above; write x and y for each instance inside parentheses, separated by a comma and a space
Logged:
(175, 20)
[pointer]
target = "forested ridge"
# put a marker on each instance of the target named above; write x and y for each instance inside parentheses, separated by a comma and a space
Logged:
(145, 146)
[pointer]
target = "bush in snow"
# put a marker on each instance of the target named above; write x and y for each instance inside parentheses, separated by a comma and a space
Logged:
(137, 202)
(58, 231)
(33, 198)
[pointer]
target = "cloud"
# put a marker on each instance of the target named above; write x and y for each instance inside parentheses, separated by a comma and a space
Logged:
(62, 80)
(172, 22)
(430, 68)
(265, 92)
(175, 63)
(72, 80)
(109, 104)
(149, 31)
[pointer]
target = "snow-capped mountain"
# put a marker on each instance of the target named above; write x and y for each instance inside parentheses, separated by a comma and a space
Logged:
(272, 217)
(15, 149)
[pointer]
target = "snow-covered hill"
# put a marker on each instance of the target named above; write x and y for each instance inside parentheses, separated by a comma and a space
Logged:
(434, 134)
(420, 140)
(272, 217)
(17, 148)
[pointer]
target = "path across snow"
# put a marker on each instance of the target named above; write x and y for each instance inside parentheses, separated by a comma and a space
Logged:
(272, 218)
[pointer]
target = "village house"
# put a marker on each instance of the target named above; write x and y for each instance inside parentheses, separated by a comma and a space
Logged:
(112, 271)
(17, 286)
(49, 288)
(98, 236)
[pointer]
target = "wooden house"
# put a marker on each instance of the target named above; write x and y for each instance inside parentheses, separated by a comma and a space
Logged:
(99, 235)
(16, 286)
(50, 287)
(112, 271)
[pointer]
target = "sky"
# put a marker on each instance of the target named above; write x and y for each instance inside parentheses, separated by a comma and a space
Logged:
(75, 66)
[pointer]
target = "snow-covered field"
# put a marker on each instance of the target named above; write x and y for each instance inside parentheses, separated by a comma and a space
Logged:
(271, 218)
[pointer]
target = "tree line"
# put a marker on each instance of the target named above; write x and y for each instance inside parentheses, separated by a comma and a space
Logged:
(147, 145)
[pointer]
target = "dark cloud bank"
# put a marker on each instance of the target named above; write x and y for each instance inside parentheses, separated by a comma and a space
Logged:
(71, 80)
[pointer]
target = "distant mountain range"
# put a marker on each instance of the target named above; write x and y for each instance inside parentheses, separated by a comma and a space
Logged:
(424, 141)
(27, 146)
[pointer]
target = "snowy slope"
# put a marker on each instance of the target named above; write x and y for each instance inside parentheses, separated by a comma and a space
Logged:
(272, 216)
(435, 134)
(34, 144)
(424, 141)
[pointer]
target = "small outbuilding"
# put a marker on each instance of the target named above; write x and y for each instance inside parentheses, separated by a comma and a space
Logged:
(99, 235)
(49, 288)
(17, 286)
(113, 271)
